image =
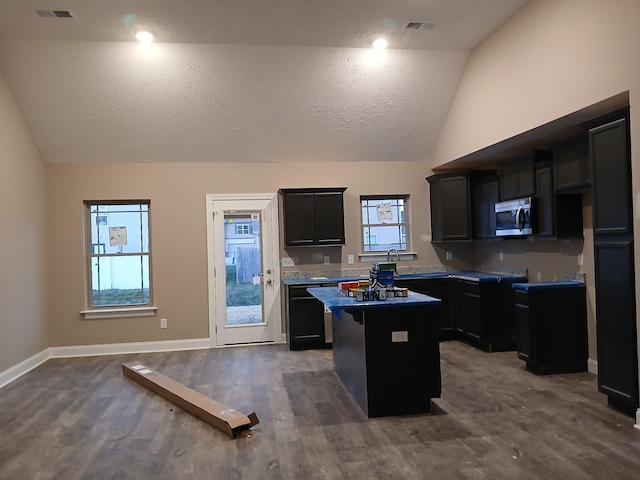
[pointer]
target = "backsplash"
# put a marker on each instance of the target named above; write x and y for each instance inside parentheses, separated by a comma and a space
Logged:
(356, 272)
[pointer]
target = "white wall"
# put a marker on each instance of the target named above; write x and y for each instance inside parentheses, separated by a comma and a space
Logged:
(23, 264)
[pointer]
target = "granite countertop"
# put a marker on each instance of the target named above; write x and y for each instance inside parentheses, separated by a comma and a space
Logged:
(332, 299)
(471, 276)
(536, 285)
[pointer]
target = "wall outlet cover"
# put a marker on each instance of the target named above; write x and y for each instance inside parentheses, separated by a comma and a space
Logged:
(327, 259)
(287, 262)
(350, 260)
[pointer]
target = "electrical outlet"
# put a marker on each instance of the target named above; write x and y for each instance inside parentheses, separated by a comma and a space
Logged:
(581, 259)
(327, 259)
(350, 259)
(287, 262)
(449, 256)
(163, 323)
(501, 256)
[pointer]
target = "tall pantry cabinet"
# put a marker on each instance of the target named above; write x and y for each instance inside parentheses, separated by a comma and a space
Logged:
(614, 263)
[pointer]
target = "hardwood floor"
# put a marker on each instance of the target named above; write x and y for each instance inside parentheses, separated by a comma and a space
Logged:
(80, 418)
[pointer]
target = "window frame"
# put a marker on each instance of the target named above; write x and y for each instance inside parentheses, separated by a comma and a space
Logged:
(406, 207)
(243, 226)
(116, 310)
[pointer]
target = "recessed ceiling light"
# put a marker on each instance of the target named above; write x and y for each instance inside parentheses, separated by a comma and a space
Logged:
(380, 43)
(144, 37)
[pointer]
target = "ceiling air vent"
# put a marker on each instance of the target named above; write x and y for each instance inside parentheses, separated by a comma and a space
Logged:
(419, 26)
(55, 13)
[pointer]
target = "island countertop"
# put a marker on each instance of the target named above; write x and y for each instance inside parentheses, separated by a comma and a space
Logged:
(332, 299)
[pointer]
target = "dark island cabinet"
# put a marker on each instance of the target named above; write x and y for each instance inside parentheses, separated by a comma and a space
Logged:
(450, 207)
(571, 166)
(313, 216)
(305, 319)
(486, 193)
(552, 327)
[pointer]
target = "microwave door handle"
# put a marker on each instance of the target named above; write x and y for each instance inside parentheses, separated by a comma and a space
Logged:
(519, 219)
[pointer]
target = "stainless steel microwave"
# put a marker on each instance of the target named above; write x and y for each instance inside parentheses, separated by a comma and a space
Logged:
(514, 217)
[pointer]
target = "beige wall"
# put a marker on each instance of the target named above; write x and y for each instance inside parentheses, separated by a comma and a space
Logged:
(23, 265)
(178, 222)
(552, 59)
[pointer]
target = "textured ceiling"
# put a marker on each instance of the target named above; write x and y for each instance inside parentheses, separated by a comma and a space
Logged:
(239, 80)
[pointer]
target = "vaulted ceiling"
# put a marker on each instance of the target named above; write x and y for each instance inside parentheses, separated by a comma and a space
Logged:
(239, 80)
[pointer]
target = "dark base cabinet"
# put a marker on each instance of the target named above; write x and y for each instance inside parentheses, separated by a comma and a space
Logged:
(552, 327)
(437, 288)
(305, 319)
(484, 317)
(616, 323)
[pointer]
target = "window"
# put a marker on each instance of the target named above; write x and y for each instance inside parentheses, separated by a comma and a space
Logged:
(384, 223)
(118, 253)
(243, 229)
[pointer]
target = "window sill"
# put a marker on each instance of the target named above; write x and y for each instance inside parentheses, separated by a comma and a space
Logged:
(382, 256)
(121, 312)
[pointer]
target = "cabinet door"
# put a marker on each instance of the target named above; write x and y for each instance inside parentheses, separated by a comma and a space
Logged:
(616, 321)
(526, 179)
(473, 307)
(306, 323)
(612, 201)
(523, 326)
(486, 195)
(299, 219)
(517, 179)
(329, 218)
(458, 311)
(545, 203)
(455, 208)
(571, 167)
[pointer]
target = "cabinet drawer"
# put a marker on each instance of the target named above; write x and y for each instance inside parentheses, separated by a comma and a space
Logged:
(522, 297)
(472, 287)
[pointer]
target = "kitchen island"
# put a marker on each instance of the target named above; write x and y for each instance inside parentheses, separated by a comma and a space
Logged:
(386, 352)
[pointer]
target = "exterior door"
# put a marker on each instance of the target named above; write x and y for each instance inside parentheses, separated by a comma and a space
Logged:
(243, 269)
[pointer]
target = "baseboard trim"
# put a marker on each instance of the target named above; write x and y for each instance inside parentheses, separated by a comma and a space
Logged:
(23, 367)
(124, 348)
(592, 366)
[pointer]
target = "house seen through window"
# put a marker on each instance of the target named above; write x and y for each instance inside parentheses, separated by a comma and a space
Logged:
(384, 223)
(118, 253)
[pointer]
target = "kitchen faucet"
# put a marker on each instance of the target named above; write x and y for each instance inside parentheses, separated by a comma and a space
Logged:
(389, 254)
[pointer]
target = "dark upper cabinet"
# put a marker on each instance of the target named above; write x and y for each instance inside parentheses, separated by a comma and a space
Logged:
(611, 166)
(450, 207)
(313, 216)
(556, 216)
(486, 193)
(571, 166)
(517, 177)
